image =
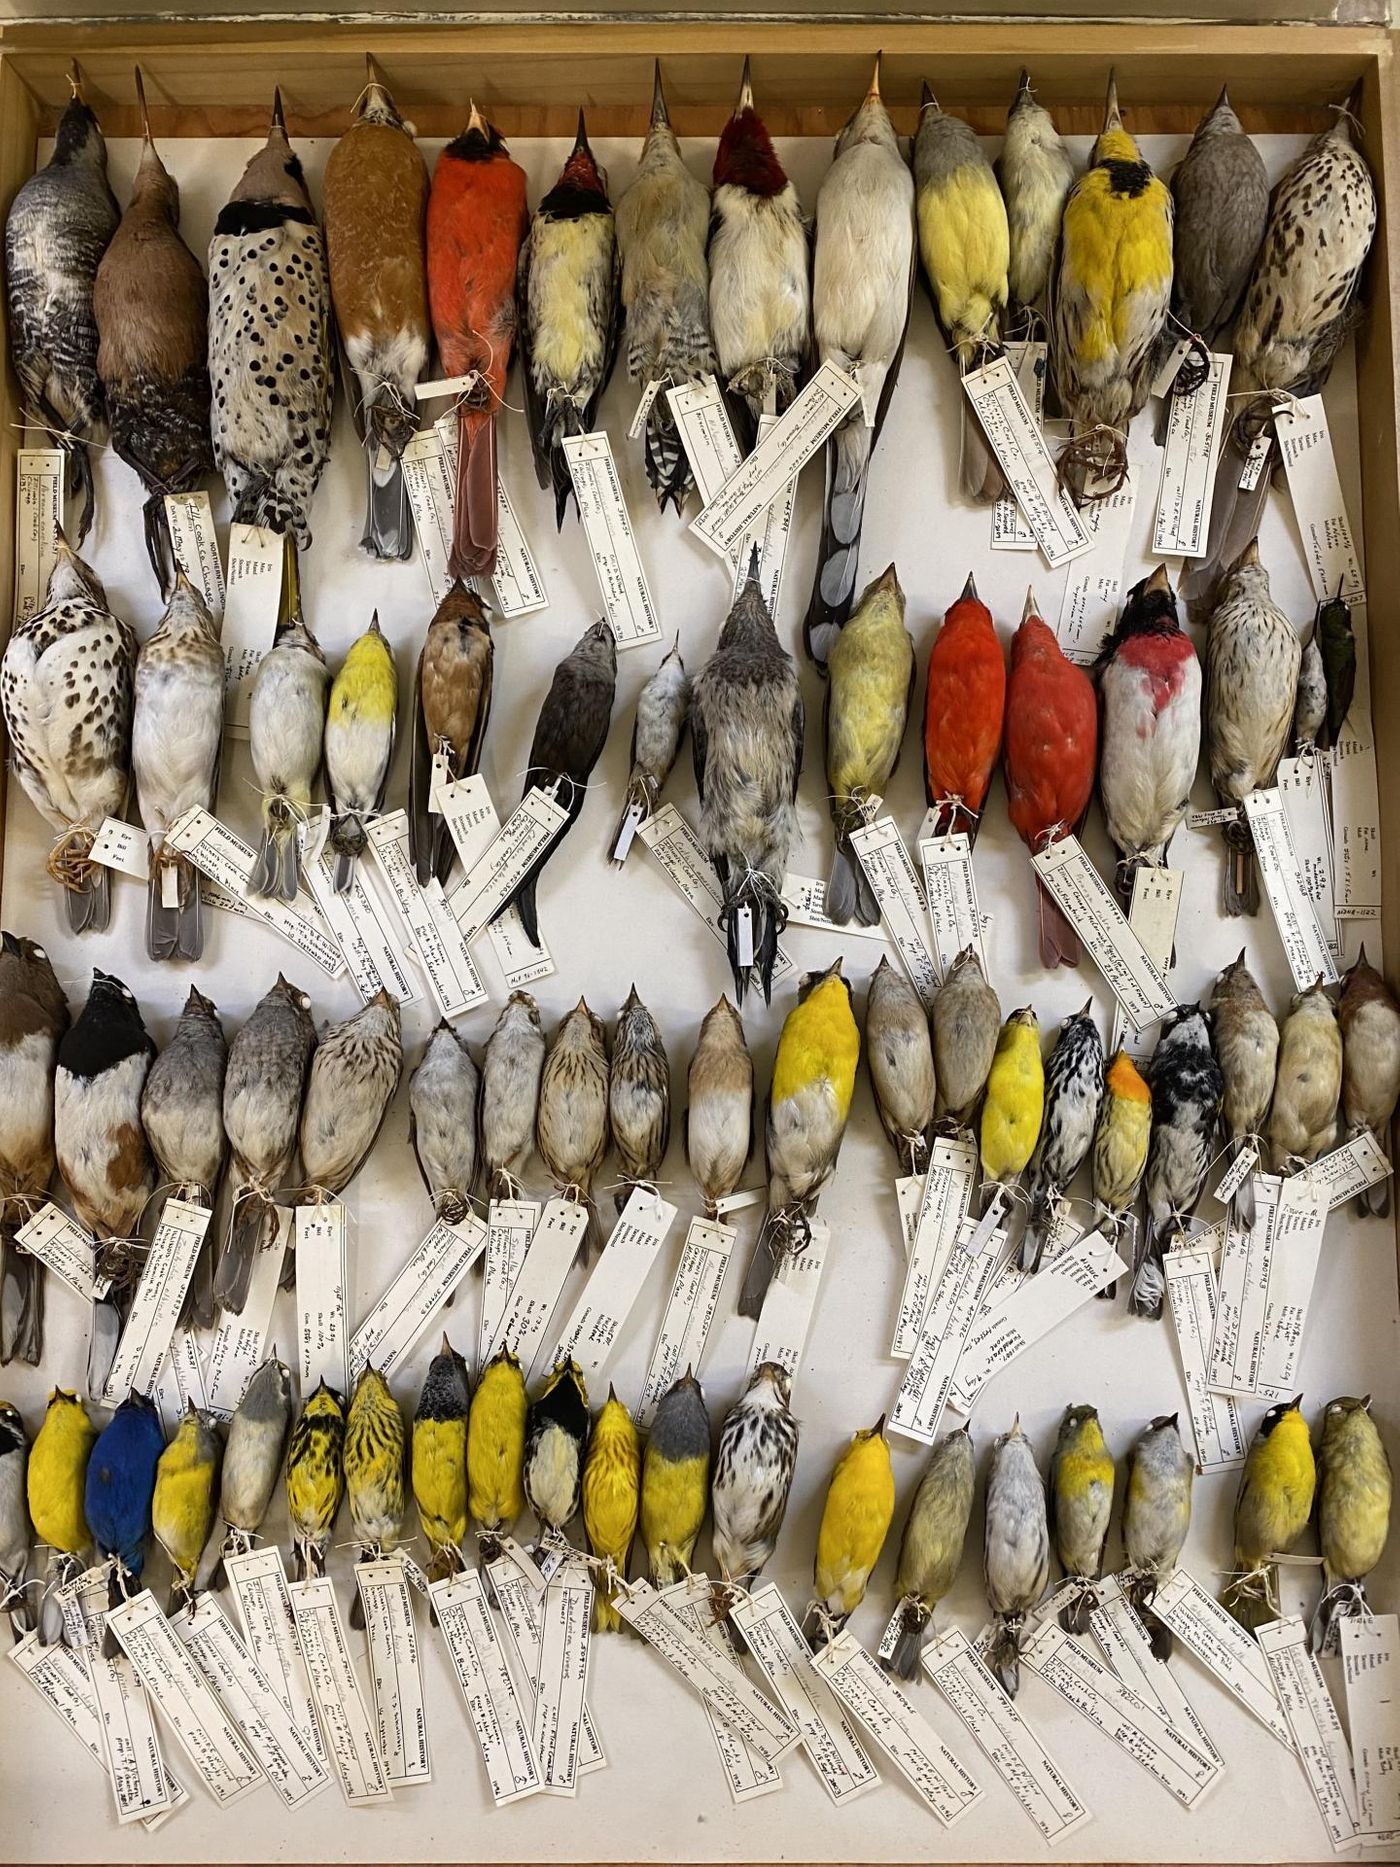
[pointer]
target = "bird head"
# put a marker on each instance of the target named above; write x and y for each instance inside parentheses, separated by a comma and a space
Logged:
(78, 141)
(772, 1380)
(746, 158)
(869, 122)
(479, 141)
(1220, 119)
(274, 176)
(198, 1006)
(520, 1008)
(376, 103)
(71, 577)
(581, 174)
(1124, 1079)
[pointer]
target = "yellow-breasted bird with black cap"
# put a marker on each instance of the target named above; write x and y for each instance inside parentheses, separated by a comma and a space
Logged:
(1271, 1512)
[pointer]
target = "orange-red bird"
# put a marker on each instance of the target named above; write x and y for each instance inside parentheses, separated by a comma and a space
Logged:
(963, 712)
(476, 220)
(1052, 747)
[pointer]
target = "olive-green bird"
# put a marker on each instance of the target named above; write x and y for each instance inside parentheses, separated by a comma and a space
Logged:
(1081, 1499)
(1271, 1511)
(496, 1450)
(55, 1481)
(440, 1460)
(675, 1480)
(932, 1546)
(612, 1481)
(1353, 1509)
(315, 1478)
(1015, 1102)
(186, 1497)
(855, 1522)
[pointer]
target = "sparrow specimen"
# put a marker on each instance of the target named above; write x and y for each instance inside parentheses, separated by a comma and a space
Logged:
(1336, 639)
(870, 680)
(1187, 1089)
(1074, 1088)
(814, 1078)
(439, 1459)
(477, 219)
(746, 725)
(496, 1449)
(1112, 293)
(177, 727)
(315, 1478)
(376, 1466)
(101, 1146)
(571, 1130)
(443, 1093)
(1271, 1511)
(264, 1084)
(855, 1521)
(966, 1022)
(1081, 1501)
(286, 727)
(117, 1493)
(34, 1018)
(663, 225)
(257, 1439)
(612, 1495)
(1252, 660)
(965, 244)
(14, 1521)
(556, 1436)
(150, 301)
(510, 1094)
(570, 734)
(1353, 1509)
(1149, 727)
(658, 727)
(361, 714)
(183, 1502)
(74, 766)
(353, 1073)
(1244, 1034)
(1121, 1141)
(760, 270)
(1156, 1517)
(863, 262)
(964, 711)
(1035, 171)
(568, 292)
(931, 1548)
(755, 1462)
(375, 194)
(450, 715)
(1015, 1549)
(270, 342)
(182, 1114)
(1049, 760)
(56, 1481)
(675, 1480)
(719, 1110)
(899, 1051)
(1308, 1087)
(56, 232)
(1014, 1105)
(639, 1097)
(1370, 1021)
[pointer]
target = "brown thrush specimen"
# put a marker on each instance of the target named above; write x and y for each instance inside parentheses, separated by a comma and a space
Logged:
(454, 704)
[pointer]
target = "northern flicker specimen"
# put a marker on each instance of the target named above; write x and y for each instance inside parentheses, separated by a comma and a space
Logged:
(56, 233)
(477, 217)
(151, 304)
(376, 197)
(663, 224)
(270, 341)
(453, 706)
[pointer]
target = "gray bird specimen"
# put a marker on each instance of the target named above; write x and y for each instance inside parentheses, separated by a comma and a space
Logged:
(719, 1108)
(899, 1051)
(56, 232)
(151, 301)
(263, 1087)
(862, 286)
(1252, 659)
(182, 1113)
(74, 762)
(570, 734)
(354, 1072)
(257, 1439)
(746, 725)
(510, 1094)
(930, 1551)
(1073, 1094)
(14, 1520)
(1015, 1549)
(639, 1097)
(177, 727)
(753, 1472)
(1186, 1089)
(1308, 1087)
(1310, 706)
(663, 225)
(453, 706)
(1370, 1021)
(442, 1122)
(1244, 1033)
(966, 1023)
(33, 1017)
(657, 730)
(1333, 631)
(270, 343)
(1354, 1491)
(571, 1130)
(1156, 1517)
(286, 730)
(1035, 171)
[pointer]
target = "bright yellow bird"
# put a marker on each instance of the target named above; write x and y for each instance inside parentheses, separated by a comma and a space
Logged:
(359, 743)
(1015, 1100)
(855, 1522)
(675, 1480)
(612, 1481)
(315, 1477)
(58, 1473)
(439, 1457)
(496, 1448)
(185, 1498)
(1271, 1511)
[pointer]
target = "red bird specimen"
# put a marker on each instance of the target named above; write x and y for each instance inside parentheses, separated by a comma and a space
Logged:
(963, 712)
(476, 221)
(1052, 743)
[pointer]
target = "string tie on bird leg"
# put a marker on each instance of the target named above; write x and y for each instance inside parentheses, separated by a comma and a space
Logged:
(1093, 465)
(70, 863)
(1194, 369)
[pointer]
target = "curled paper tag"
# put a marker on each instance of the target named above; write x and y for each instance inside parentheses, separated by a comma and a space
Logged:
(1082, 896)
(195, 547)
(786, 1316)
(38, 515)
(1015, 438)
(561, 1675)
(953, 1308)
(1195, 423)
(669, 838)
(1317, 1730)
(607, 1299)
(707, 437)
(319, 1260)
(946, 1197)
(882, 854)
(1371, 1671)
(258, 1579)
(1304, 943)
(160, 1295)
(510, 1227)
(501, 1723)
(249, 628)
(1223, 1648)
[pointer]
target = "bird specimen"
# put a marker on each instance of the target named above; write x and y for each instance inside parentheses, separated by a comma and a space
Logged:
(1156, 1517)
(675, 1480)
(1187, 1088)
(453, 706)
(443, 1094)
(1244, 1035)
(120, 1484)
(315, 1478)
(1353, 1510)
(899, 1051)
(1035, 171)
(353, 1073)
(964, 711)
(657, 730)
(183, 1117)
(555, 1441)
(376, 1468)
(754, 1467)
(99, 1142)
(572, 1125)
(1081, 1500)
(14, 1521)
(32, 1021)
(930, 1550)
(183, 1502)
(719, 1110)
(966, 1022)
(639, 1097)
(611, 1493)
(1014, 1104)
(496, 1449)
(1073, 1094)
(855, 1521)
(1370, 1021)
(257, 1439)
(1308, 1086)
(439, 1460)
(510, 1094)
(1121, 1141)
(361, 714)
(1015, 1549)
(286, 727)
(56, 1481)
(1272, 1509)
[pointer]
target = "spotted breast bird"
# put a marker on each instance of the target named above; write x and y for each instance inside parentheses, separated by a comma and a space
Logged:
(964, 709)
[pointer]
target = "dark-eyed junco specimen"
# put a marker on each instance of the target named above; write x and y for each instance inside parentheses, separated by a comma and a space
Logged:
(33, 1016)
(182, 1108)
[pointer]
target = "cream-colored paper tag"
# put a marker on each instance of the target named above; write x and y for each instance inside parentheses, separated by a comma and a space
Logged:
(1185, 495)
(1093, 590)
(431, 488)
(321, 1285)
(1010, 532)
(950, 888)
(249, 626)
(62, 1246)
(785, 1320)
(768, 536)
(612, 543)
(38, 515)
(889, 870)
(607, 1299)
(1082, 895)
(1266, 1280)
(141, 1784)
(1171, 366)
(515, 580)
(360, 926)
(445, 385)
(1014, 436)
(196, 548)
(706, 435)
(510, 1227)
(1238, 1172)
(1317, 1731)
(1193, 1299)
(748, 1775)
(1127, 1647)
(395, 1674)
(531, 827)
(804, 897)
(440, 1261)
(1223, 1648)
(1304, 943)
(258, 1578)
(1318, 505)
(228, 862)
(473, 824)
(561, 1679)
(239, 1347)
(501, 1723)
(952, 1310)
(1303, 786)
(1371, 1673)
(425, 923)
(160, 1295)
(943, 1205)
(650, 391)
(519, 1600)
(121, 846)
(1349, 1169)
(346, 1729)
(669, 838)
(1152, 914)
(690, 1310)
(535, 1294)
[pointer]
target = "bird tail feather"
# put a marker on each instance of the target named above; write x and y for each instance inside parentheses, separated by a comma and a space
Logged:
(1003, 1655)
(1059, 943)
(1241, 894)
(763, 1266)
(668, 466)
(21, 1303)
(388, 529)
(159, 548)
(1149, 1287)
(474, 510)
(1242, 1200)
(903, 1662)
(88, 900)
(79, 480)
(833, 591)
(1375, 1199)
(249, 1231)
(978, 472)
(174, 932)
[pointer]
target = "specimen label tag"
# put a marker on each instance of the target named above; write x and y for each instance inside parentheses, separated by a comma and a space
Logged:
(196, 549)
(488, 1691)
(786, 1316)
(783, 1656)
(706, 435)
(778, 458)
(768, 536)
(1089, 607)
(1195, 423)
(952, 1311)
(180, 1383)
(62, 1246)
(1316, 490)
(947, 1194)
(1223, 1648)
(668, 837)
(321, 1283)
(1304, 944)
(1356, 809)
(1014, 436)
(1317, 1730)
(249, 628)
(748, 1775)
(690, 1310)
(1127, 1646)
(440, 1261)
(519, 1601)
(345, 1724)
(612, 543)
(432, 491)
(882, 854)
(607, 1299)
(529, 830)
(395, 1674)
(1349, 1169)
(950, 888)
(1194, 1298)
(651, 390)
(360, 926)
(121, 846)
(38, 514)
(285, 1755)
(1239, 1171)
(1152, 912)
(431, 931)
(1003, 1736)
(804, 897)
(1082, 895)
(202, 1728)
(1266, 1281)
(510, 1227)
(239, 1346)
(155, 1308)
(1303, 786)
(515, 580)
(1010, 532)
(473, 824)
(228, 861)
(562, 1676)
(258, 1579)
(1171, 367)
(536, 1291)
(889, 1715)
(446, 385)
(1371, 1670)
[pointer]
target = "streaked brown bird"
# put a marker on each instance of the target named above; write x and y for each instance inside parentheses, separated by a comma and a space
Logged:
(572, 1123)
(453, 707)
(639, 1096)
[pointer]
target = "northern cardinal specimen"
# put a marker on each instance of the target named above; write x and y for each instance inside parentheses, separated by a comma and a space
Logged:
(963, 711)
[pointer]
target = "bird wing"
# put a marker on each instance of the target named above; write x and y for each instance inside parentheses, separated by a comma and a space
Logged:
(798, 730)
(420, 771)
(699, 748)
(534, 411)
